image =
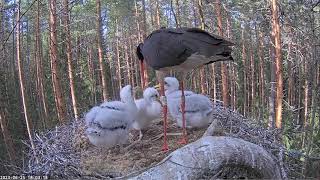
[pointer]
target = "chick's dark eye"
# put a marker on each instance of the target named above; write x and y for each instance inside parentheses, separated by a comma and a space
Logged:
(165, 83)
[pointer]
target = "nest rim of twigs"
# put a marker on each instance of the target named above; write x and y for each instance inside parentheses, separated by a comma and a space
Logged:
(71, 145)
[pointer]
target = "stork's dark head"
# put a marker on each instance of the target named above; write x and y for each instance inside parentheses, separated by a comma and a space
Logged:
(139, 52)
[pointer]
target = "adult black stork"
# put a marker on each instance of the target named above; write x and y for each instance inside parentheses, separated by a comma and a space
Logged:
(181, 50)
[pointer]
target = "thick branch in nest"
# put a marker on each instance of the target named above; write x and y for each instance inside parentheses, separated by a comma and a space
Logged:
(209, 155)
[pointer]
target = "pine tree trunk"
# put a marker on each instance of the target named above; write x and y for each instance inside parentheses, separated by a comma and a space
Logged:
(261, 67)
(306, 93)
(78, 52)
(194, 12)
(202, 26)
(194, 82)
(278, 57)
(272, 95)
(126, 58)
(201, 17)
(92, 76)
(290, 71)
(224, 71)
(100, 52)
(144, 18)
(178, 14)
(244, 60)
(314, 87)
(60, 104)
(39, 67)
(214, 85)
(144, 35)
(232, 65)
(136, 14)
(131, 58)
(152, 16)
(157, 14)
(253, 82)
(300, 94)
(140, 38)
(21, 79)
(235, 91)
(118, 63)
(66, 23)
(136, 63)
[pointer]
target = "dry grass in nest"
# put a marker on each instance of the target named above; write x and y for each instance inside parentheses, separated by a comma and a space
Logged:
(66, 152)
(117, 162)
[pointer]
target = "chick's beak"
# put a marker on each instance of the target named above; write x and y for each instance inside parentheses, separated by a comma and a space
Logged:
(157, 87)
(158, 98)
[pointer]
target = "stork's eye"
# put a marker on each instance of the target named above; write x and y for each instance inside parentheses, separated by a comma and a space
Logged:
(165, 83)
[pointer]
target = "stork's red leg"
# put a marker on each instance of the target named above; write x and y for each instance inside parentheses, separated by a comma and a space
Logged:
(165, 116)
(184, 139)
(142, 74)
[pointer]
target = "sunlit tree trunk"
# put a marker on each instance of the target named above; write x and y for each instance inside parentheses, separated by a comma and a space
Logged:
(224, 71)
(100, 52)
(66, 23)
(278, 58)
(60, 104)
(21, 79)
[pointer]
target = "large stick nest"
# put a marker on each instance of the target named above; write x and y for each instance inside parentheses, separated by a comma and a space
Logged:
(65, 151)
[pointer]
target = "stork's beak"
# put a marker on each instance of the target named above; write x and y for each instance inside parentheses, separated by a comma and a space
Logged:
(157, 87)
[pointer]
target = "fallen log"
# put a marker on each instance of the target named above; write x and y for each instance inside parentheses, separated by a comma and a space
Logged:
(208, 156)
